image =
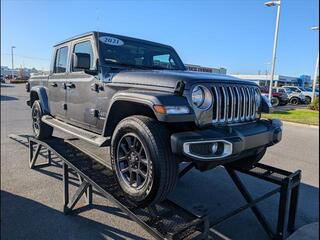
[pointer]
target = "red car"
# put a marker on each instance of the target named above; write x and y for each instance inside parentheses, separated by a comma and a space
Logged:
(278, 98)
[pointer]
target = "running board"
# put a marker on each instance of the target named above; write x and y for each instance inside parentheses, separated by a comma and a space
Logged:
(87, 136)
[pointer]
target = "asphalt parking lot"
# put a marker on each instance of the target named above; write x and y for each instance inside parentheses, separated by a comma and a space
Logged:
(31, 200)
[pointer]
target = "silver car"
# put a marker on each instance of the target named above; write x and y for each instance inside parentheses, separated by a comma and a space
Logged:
(295, 97)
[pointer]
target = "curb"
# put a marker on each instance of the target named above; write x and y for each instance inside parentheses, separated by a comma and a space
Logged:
(300, 124)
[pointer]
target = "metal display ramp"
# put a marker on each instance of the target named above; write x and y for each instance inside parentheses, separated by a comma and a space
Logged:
(166, 220)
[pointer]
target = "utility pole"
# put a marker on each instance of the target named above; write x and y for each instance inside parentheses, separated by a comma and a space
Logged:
(12, 61)
(315, 72)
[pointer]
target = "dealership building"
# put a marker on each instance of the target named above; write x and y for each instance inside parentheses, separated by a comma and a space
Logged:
(278, 80)
(197, 68)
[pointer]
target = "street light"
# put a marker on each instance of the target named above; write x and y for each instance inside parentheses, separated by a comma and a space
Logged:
(12, 47)
(278, 5)
(315, 71)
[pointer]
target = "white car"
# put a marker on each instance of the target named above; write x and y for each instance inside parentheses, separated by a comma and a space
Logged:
(305, 92)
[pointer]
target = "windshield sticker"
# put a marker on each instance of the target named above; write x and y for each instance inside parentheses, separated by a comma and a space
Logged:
(111, 41)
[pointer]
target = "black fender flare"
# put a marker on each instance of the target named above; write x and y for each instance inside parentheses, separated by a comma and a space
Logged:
(149, 99)
(41, 93)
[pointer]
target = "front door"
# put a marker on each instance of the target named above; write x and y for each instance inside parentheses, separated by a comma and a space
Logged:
(56, 84)
(81, 94)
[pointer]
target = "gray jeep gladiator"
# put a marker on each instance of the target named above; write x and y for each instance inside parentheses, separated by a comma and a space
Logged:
(136, 98)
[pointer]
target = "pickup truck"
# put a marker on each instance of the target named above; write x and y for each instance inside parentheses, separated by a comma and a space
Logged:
(136, 98)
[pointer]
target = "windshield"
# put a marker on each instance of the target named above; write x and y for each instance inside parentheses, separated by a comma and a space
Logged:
(130, 53)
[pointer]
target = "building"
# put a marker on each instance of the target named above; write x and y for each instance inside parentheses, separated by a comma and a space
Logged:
(279, 80)
(197, 68)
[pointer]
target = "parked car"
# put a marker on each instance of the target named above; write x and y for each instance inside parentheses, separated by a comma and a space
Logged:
(137, 97)
(2, 79)
(305, 92)
(295, 98)
(278, 98)
(309, 89)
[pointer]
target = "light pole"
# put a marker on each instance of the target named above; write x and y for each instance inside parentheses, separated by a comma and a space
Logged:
(315, 72)
(272, 4)
(12, 61)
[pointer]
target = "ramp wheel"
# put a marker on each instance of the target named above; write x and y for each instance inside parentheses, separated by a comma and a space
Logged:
(142, 160)
(40, 129)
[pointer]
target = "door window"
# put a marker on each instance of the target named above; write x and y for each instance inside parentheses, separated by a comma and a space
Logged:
(84, 47)
(164, 61)
(61, 60)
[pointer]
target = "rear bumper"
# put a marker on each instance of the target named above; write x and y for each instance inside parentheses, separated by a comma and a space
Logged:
(237, 140)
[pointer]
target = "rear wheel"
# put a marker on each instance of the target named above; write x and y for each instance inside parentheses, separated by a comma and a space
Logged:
(308, 100)
(40, 129)
(142, 160)
(275, 101)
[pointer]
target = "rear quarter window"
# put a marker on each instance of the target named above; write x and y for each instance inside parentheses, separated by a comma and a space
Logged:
(61, 59)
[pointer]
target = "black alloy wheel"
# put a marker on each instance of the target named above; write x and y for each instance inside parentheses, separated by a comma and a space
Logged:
(40, 129)
(142, 161)
(132, 161)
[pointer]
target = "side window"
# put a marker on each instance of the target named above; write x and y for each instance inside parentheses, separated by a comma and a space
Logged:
(61, 60)
(84, 47)
(163, 60)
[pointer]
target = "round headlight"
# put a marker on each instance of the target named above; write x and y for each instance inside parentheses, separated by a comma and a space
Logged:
(201, 97)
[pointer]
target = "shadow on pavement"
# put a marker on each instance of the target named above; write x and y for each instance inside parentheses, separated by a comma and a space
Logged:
(27, 219)
(215, 191)
(8, 98)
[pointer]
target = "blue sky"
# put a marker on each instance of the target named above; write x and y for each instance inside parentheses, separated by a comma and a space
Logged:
(235, 34)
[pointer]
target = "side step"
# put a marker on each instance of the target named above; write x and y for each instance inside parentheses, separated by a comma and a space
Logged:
(90, 137)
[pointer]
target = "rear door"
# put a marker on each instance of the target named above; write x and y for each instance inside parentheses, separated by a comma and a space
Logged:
(56, 82)
(81, 93)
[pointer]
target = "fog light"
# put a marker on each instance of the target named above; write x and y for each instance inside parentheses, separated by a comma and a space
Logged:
(214, 148)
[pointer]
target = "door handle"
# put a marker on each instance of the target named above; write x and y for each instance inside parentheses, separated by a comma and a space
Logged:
(54, 84)
(70, 85)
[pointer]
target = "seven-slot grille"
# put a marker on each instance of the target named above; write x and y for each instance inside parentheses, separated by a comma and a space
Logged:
(234, 104)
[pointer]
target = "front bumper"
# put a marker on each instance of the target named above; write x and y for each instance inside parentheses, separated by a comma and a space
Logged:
(237, 140)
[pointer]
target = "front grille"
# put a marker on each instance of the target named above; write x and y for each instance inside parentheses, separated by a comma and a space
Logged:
(234, 104)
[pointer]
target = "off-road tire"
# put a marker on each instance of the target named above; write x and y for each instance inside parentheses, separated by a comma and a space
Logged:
(248, 162)
(44, 131)
(163, 174)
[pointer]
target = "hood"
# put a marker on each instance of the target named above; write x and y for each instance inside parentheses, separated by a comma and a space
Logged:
(169, 78)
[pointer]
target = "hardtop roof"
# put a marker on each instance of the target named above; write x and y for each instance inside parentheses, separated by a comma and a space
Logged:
(95, 33)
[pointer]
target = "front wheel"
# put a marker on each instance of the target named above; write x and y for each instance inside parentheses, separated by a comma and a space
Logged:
(142, 160)
(275, 102)
(294, 101)
(40, 129)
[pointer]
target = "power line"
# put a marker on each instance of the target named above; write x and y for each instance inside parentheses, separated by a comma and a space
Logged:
(43, 59)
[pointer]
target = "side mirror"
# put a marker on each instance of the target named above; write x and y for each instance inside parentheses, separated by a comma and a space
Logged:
(81, 61)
